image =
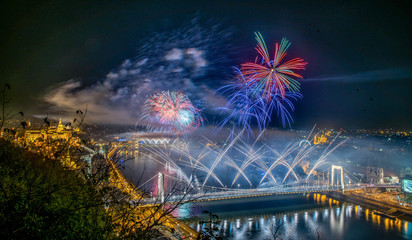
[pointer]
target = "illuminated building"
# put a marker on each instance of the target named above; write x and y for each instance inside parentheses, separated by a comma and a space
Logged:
(374, 175)
(50, 140)
(59, 132)
(391, 179)
(322, 139)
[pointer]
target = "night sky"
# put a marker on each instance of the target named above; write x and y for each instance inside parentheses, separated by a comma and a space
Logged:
(359, 53)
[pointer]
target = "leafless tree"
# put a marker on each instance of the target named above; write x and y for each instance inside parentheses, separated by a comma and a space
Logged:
(6, 112)
(139, 216)
(210, 232)
(5, 104)
(276, 233)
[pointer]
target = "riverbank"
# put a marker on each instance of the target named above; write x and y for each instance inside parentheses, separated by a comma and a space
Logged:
(382, 204)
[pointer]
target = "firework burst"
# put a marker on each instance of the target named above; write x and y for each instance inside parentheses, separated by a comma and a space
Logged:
(269, 77)
(262, 87)
(244, 107)
(173, 112)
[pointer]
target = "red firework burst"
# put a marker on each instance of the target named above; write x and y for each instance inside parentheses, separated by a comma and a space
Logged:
(269, 77)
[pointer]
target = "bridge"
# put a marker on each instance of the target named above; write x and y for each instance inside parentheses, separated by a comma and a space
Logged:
(207, 193)
(247, 193)
(195, 192)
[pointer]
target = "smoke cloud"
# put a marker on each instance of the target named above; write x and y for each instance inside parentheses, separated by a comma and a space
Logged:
(179, 61)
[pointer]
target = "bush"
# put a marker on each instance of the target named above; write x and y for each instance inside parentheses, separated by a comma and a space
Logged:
(40, 199)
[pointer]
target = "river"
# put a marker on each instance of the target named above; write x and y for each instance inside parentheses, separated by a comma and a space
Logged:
(302, 217)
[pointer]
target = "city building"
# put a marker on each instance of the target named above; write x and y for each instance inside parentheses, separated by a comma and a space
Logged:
(322, 138)
(59, 132)
(374, 175)
(50, 140)
(391, 179)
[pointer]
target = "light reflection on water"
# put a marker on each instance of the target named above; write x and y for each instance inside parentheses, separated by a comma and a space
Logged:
(338, 221)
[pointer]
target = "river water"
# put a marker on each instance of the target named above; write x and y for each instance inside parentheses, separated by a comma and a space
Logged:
(302, 217)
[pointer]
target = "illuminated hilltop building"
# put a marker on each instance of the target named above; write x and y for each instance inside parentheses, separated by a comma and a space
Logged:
(59, 132)
(50, 140)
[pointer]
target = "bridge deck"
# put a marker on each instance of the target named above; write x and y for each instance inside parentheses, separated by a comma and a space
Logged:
(242, 193)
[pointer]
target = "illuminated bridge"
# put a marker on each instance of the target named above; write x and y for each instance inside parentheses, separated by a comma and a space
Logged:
(207, 193)
(192, 190)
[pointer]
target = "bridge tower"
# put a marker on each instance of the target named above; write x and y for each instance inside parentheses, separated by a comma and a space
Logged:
(338, 168)
(161, 187)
